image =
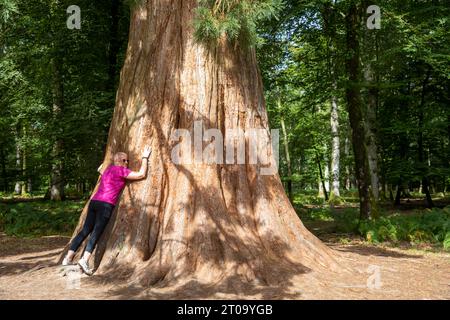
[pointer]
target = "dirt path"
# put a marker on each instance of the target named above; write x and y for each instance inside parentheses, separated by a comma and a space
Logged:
(27, 271)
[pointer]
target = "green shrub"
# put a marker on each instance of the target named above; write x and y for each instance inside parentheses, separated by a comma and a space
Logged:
(431, 226)
(347, 220)
(381, 229)
(40, 218)
(446, 242)
(316, 214)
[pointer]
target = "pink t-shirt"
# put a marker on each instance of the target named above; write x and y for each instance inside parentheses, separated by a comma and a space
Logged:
(111, 184)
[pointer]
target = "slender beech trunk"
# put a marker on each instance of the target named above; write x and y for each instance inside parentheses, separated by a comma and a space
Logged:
(286, 146)
(327, 174)
(57, 89)
(322, 185)
(403, 144)
(348, 184)
(29, 185)
(18, 184)
(330, 30)
(57, 179)
(371, 79)
(335, 147)
(370, 127)
(425, 181)
(24, 170)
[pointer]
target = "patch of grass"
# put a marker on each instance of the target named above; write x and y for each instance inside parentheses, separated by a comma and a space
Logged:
(40, 218)
(26, 195)
(302, 199)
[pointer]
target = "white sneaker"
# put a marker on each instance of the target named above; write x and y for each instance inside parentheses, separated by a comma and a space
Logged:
(67, 262)
(85, 267)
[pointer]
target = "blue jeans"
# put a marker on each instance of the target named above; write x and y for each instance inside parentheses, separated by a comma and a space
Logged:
(97, 218)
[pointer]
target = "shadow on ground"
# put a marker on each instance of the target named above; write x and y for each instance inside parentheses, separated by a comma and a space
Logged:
(372, 251)
(231, 287)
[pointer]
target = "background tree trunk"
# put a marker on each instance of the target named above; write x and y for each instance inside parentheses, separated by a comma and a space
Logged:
(347, 166)
(24, 169)
(56, 175)
(370, 124)
(322, 183)
(335, 147)
(371, 78)
(18, 184)
(207, 223)
(4, 174)
(425, 166)
(57, 179)
(328, 14)
(354, 106)
(288, 158)
(114, 45)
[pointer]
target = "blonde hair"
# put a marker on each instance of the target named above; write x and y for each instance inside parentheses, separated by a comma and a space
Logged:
(119, 156)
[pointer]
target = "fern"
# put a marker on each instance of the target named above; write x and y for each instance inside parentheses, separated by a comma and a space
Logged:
(446, 242)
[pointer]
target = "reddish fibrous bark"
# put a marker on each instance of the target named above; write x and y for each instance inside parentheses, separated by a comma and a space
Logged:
(208, 222)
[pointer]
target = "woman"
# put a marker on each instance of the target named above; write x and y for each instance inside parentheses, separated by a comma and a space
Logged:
(102, 205)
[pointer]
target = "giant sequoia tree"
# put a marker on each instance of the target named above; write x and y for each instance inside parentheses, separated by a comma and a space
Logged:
(210, 222)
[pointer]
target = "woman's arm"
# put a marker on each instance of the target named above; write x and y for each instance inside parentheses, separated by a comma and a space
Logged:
(142, 173)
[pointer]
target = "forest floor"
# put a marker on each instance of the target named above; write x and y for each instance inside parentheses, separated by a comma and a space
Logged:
(28, 271)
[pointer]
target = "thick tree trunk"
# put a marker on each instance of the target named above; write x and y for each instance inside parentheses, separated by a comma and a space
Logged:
(204, 223)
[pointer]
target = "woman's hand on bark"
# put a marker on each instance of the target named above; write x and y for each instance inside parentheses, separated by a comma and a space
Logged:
(147, 152)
